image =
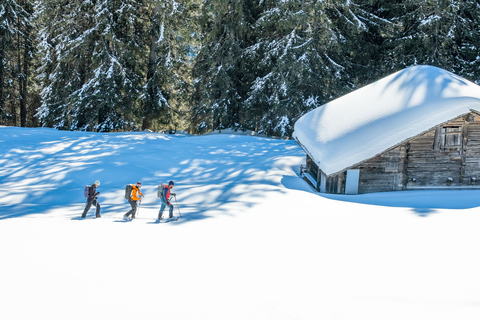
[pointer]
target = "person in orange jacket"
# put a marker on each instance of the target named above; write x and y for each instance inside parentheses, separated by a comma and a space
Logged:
(134, 198)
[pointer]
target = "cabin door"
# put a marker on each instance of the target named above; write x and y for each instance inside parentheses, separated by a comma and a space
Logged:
(351, 185)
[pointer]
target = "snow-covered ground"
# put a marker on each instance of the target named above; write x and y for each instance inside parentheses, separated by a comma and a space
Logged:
(254, 242)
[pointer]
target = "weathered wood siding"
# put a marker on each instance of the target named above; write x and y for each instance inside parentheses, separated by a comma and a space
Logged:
(336, 183)
(447, 156)
(384, 172)
(312, 168)
(472, 153)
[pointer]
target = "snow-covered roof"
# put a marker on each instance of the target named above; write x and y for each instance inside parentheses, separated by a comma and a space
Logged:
(377, 117)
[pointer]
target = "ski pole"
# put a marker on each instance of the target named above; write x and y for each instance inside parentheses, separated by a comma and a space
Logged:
(138, 207)
(178, 207)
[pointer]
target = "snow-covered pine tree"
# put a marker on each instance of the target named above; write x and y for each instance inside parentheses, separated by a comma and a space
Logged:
(468, 40)
(169, 42)
(281, 60)
(221, 74)
(293, 62)
(434, 33)
(307, 53)
(65, 64)
(91, 69)
(259, 65)
(366, 30)
(25, 54)
(107, 99)
(8, 29)
(16, 54)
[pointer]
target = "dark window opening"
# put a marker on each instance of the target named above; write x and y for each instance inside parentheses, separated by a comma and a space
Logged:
(451, 137)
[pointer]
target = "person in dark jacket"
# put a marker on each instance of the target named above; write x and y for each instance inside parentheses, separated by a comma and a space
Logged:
(92, 199)
(133, 201)
(165, 199)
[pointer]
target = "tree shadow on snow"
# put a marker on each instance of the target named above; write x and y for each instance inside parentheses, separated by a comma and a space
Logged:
(43, 172)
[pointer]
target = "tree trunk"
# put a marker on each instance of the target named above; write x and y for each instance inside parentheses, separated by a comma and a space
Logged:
(152, 58)
(152, 65)
(2, 79)
(147, 123)
(27, 58)
(23, 86)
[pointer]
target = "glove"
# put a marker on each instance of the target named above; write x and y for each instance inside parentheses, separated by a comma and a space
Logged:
(173, 194)
(97, 193)
(168, 203)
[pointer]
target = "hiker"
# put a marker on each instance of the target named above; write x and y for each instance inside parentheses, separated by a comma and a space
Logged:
(134, 198)
(92, 199)
(166, 201)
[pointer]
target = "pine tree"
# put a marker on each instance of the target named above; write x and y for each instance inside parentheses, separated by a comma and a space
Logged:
(169, 42)
(107, 99)
(16, 54)
(242, 64)
(8, 29)
(468, 39)
(64, 64)
(430, 33)
(220, 72)
(367, 29)
(307, 53)
(25, 57)
(92, 75)
(282, 57)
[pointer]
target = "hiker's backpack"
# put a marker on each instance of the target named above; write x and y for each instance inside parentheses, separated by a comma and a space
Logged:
(128, 191)
(160, 190)
(85, 191)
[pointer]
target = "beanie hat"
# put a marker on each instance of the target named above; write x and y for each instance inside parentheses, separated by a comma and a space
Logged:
(171, 183)
(139, 183)
(97, 183)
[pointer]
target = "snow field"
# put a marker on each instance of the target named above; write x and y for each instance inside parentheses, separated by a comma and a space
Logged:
(254, 243)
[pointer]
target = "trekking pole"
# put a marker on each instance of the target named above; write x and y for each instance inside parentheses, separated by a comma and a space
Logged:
(138, 207)
(178, 207)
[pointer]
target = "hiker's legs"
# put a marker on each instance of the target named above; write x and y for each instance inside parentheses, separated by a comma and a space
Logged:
(170, 215)
(87, 207)
(162, 207)
(133, 204)
(95, 202)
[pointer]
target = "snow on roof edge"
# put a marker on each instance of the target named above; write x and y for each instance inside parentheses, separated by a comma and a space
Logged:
(402, 142)
(386, 150)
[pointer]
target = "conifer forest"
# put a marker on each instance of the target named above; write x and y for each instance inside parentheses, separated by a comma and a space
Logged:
(203, 65)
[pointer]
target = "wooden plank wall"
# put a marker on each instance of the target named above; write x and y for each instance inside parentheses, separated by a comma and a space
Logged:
(446, 167)
(336, 183)
(384, 172)
(312, 168)
(472, 155)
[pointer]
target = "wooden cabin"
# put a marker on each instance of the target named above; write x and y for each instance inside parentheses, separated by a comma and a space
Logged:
(427, 140)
